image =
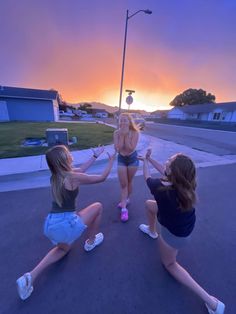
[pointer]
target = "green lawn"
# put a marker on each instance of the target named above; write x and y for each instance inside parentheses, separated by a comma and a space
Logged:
(12, 134)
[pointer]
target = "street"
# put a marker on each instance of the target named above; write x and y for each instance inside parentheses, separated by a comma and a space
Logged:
(124, 275)
(208, 140)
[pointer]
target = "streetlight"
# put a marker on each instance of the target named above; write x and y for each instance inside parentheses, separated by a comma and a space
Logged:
(123, 60)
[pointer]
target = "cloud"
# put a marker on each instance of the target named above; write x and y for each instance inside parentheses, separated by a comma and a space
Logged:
(76, 48)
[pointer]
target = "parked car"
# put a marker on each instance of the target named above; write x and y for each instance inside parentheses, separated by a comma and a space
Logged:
(66, 114)
(140, 121)
(101, 115)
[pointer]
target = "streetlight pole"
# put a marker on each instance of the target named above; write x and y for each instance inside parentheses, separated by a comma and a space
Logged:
(124, 50)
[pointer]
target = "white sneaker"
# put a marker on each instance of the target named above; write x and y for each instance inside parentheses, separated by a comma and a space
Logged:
(24, 286)
(220, 309)
(145, 229)
(98, 240)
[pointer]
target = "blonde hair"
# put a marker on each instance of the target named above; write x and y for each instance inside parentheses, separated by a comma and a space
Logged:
(59, 162)
(183, 178)
(132, 124)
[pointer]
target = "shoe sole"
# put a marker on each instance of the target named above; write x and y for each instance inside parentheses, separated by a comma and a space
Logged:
(96, 244)
(19, 290)
(145, 232)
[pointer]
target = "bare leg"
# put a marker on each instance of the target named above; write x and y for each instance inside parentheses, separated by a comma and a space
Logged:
(168, 258)
(91, 216)
(151, 210)
(131, 173)
(123, 178)
(53, 256)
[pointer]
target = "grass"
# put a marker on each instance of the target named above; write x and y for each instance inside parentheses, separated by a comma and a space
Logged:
(12, 134)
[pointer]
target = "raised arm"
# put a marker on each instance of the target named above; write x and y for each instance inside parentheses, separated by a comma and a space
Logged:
(159, 167)
(82, 178)
(96, 153)
(118, 140)
(146, 171)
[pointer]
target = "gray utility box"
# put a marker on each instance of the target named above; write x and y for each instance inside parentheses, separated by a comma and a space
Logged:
(57, 137)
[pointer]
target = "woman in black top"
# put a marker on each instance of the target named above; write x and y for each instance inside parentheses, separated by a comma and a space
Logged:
(64, 224)
(174, 211)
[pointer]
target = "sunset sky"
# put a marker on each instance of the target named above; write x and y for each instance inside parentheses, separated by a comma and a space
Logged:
(76, 48)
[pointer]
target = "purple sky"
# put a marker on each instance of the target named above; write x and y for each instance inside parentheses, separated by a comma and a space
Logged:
(76, 48)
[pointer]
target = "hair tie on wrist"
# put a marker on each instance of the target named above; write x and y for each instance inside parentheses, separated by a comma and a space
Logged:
(95, 156)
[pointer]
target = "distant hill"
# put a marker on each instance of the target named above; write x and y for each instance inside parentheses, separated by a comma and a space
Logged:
(110, 109)
(97, 105)
(161, 111)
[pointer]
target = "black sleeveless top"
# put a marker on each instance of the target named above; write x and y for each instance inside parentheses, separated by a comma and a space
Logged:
(68, 201)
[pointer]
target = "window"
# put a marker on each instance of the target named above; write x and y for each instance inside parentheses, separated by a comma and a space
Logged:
(216, 116)
(224, 114)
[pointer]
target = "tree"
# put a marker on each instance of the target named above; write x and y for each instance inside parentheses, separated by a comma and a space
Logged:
(192, 97)
(86, 106)
(62, 103)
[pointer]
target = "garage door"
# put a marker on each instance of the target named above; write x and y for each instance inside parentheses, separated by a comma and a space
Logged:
(3, 111)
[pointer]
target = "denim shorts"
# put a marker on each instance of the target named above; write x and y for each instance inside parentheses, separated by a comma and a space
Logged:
(63, 227)
(128, 161)
(171, 239)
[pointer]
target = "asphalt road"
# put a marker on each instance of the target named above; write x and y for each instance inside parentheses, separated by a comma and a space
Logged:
(211, 141)
(124, 275)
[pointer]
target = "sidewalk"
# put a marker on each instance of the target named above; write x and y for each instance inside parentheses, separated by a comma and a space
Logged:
(32, 172)
(161, 150)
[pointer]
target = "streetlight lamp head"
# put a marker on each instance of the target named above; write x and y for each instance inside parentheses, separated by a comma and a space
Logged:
(148, 11)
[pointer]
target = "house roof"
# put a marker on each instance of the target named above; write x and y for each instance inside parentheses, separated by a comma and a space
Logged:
(18, 92)
(205, 108)
(98, 110)
(160, 111)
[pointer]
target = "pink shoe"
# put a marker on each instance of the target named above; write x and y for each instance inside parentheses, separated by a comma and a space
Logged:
(124, 215)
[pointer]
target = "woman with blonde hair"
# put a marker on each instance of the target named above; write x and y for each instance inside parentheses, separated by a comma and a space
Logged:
(125, 142)
(65, 224)
(174, 212)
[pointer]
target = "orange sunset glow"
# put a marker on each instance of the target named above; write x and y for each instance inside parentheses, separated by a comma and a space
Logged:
(80, 55)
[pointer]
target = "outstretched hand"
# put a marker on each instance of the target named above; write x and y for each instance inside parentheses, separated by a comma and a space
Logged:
(111, 157)
(97, 151)
(142, 158)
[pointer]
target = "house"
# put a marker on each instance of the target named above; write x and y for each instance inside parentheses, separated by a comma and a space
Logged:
(159, 114)
(80, 113)
(225, 112)
(26, 104)
(140, 113)
(99, 113)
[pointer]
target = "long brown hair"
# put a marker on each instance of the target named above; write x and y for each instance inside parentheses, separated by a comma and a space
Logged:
(183, 178)
(132, 124)
(59, 162)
